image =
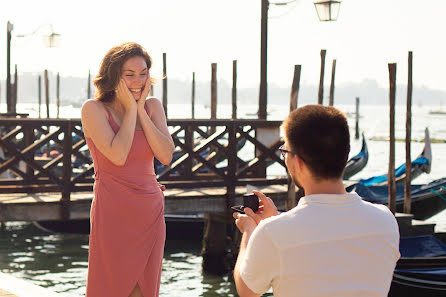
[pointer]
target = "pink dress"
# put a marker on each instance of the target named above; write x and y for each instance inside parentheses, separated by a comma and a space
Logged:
(127, 223)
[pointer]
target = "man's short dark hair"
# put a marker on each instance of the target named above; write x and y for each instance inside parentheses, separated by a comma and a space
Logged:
(320, 137)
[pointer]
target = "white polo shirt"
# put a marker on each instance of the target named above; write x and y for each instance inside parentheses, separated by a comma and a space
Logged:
(328, 245)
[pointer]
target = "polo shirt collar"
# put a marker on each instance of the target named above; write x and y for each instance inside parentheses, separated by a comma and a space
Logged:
(330, 199)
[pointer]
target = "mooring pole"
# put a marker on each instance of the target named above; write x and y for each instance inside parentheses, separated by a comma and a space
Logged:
(165, 83)
(39, 90)
(321, 79)
(234, 89)
(57, 93)
(357, 119)
(47, 93)
(291, 201)
(193, 95)
(89, 85)
(332, 85)
(407, 188)
(213, 94)
(391, 174)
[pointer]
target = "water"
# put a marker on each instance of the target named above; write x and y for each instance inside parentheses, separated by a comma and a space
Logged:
(59, 261)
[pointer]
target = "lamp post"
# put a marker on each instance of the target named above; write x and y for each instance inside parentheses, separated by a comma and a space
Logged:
(9, 27)
(327, 10)
(50, 40)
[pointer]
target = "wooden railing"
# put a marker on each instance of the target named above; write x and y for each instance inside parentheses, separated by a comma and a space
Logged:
(50, 155)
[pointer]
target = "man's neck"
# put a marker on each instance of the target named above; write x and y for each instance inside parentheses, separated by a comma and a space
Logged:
(325, 187)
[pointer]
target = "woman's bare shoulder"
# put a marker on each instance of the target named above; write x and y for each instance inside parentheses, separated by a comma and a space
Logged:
(153, 101)
(154, 104)
(92, 104)
(92, 113)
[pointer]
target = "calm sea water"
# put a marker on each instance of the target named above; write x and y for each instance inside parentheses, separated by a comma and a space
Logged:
(59, 261)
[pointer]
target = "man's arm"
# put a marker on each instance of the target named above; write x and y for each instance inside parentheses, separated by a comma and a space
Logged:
(242, 288)
(247, 224)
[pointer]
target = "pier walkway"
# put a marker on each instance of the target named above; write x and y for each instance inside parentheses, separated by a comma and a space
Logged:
(48, 206)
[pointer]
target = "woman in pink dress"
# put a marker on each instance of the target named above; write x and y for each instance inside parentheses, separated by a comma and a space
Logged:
(124, 131)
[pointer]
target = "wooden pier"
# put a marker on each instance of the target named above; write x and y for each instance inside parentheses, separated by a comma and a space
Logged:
(207, 176)
(47, 173)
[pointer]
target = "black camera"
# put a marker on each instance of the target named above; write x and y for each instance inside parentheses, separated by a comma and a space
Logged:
(249, 200)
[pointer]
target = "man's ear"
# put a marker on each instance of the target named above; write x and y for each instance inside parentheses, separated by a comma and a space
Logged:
(299, 162)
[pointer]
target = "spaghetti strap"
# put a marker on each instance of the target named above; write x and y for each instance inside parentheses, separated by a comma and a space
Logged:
(110, 119)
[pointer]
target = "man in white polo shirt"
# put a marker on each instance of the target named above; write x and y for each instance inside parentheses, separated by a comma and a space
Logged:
(332, 243)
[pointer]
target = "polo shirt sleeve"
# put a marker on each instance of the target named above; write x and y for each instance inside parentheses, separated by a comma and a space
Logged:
(261, 264)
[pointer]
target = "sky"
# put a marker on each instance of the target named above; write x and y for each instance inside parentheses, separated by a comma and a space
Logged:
(367, 36)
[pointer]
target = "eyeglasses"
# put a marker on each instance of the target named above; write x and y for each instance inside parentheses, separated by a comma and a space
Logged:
(283, 151)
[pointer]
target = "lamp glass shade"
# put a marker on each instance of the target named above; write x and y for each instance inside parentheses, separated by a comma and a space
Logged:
(51, 40)
(327, 10)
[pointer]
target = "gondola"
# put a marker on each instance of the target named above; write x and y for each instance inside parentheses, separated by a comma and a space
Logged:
(421, 270)
(420, 165)
(426, 200)
(358, 162)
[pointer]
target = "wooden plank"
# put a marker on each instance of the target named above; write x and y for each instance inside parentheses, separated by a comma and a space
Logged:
(47, 206)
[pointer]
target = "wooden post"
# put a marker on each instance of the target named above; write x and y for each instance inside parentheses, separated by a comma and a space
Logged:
(47, 102)
(391, 174)
(28, 137)
(291, 201)
(407, 192)
(47, 93)
(214, 91)
(39, 90)
(14, 96)
(295, 87)
(58, 93)
(89, 85)
(165, 84)
(8, 67)
(321, 80)
(189, 142)
(357, 119)
(214, 248)
(193, 95)
(66, 173)
(332, 85)
(234, 89)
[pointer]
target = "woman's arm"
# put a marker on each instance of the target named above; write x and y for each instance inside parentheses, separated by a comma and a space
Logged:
(115, 147)
(155, 129)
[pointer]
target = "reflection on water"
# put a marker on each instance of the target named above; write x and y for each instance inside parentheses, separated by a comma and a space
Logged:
(56, 261)
(59, 262)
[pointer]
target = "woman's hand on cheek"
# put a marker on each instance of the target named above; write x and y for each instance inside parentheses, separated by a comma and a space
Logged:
(124, 96)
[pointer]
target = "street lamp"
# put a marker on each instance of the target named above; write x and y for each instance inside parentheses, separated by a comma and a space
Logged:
(327, 10)
(51, 39)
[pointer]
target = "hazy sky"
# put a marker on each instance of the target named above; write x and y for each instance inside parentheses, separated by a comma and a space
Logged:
(195, 33)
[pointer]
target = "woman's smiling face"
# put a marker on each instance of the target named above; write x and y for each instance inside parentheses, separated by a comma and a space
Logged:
(135, 75)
